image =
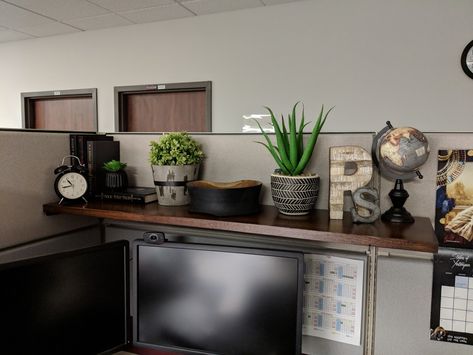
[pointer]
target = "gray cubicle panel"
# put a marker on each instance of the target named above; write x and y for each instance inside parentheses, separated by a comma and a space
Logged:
(403, 310)
(310, 345)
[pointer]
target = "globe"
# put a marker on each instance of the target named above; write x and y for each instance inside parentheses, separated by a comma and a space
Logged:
(399, 152)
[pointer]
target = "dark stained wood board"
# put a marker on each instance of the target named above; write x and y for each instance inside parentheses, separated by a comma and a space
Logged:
(316, 226)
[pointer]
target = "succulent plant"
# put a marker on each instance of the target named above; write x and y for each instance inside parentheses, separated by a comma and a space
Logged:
(114, 165)
(177, 148)
(289, 152)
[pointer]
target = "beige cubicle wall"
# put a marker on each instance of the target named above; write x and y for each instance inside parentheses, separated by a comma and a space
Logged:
(231, 157)
(29, 158)
(27, 162)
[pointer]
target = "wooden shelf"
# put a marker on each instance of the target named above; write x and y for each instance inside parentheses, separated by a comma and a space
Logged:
(316, 226)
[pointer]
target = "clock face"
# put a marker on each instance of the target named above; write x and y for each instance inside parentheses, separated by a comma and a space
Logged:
(71, 186)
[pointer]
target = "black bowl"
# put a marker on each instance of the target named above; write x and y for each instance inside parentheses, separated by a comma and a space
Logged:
(224, 199)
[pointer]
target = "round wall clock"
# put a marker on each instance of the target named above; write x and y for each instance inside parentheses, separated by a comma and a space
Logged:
(71, 183)
(467, 59)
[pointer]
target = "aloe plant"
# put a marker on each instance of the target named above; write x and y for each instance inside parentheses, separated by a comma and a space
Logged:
(289, 151)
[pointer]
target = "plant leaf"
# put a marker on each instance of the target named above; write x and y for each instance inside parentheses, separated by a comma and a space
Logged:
(300, 134)
(284, 134)
(272, 149)
(276, 158)
(280, 142)
(293, 147)
(311, 142)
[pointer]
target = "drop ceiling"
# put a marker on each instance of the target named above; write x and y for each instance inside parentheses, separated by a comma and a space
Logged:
(25, 19)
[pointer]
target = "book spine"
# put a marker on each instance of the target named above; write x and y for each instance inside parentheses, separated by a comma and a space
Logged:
(81, 149)
(90, 168)
(73, 148)
(116, 197)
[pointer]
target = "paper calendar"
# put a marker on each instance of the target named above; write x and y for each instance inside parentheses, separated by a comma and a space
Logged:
(452, 297)
(333, 298)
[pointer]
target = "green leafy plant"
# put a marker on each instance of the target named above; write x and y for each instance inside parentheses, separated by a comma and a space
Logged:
(114, 165)
(176, 148)
(289, 151)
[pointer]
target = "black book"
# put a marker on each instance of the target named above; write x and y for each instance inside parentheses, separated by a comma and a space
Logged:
(78, 145)
(132, 194)
(98, 153)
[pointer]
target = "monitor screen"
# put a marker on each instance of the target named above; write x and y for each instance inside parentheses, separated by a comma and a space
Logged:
(218, 300)
(68, 303)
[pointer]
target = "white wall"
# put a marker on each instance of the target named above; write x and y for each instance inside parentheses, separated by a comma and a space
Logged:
(376, 60)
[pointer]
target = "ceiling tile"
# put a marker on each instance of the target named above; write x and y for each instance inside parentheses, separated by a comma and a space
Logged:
(202, 7)
(128, 5)
(48, 29)
(97, 22)
(14, 17)
(10, 35)
(159, 13)
(62, 9)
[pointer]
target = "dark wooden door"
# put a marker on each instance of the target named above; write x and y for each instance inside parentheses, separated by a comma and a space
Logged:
(167, 112)
(66, 114)
(164, 107)
(67, 110)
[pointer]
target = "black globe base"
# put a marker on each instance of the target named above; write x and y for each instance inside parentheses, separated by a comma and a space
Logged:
(397, 213)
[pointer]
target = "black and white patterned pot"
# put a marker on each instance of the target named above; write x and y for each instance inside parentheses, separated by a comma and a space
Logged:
(295, 195)
(171, 183)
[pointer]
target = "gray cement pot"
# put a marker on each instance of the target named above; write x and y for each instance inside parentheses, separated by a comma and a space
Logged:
(170, 182)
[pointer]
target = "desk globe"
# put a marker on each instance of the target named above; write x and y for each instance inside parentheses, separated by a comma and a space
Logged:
(398, 153)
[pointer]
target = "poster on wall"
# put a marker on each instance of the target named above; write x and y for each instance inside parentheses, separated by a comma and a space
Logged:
(333, 297)
(452, 297)
(454, 198)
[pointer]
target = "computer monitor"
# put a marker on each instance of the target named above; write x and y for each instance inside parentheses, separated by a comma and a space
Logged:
(217, 299)
(69, 303)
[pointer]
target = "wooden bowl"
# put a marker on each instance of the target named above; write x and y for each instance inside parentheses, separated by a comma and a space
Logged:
(224, 198)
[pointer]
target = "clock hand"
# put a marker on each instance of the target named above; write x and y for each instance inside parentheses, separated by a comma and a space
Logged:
(69, 181)
(65, 187)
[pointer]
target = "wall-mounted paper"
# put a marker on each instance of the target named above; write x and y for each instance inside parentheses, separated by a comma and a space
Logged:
(451, 317)
(333, 298)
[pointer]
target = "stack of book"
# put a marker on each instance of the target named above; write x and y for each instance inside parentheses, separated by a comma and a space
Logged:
(132, 194)
(94, 150)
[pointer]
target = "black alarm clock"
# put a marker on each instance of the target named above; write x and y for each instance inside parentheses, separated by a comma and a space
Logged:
(71, 182)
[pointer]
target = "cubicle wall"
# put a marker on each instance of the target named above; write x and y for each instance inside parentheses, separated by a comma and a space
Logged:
(404, 284)
(27, 161)
(231, 157)
(403, 310)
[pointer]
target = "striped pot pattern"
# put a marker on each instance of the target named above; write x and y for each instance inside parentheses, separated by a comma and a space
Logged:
(295, 195)
(171, 183)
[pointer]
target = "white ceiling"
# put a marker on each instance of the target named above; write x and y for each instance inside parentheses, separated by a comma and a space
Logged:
(23, 19)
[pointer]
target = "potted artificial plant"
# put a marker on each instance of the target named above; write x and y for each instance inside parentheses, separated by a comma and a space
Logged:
(294, 191)
(115, 176)
(175, 161)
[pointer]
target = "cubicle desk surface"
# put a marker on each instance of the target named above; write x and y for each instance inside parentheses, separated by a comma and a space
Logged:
(316, 226)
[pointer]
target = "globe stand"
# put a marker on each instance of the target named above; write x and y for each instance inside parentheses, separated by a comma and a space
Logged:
(397, 213)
